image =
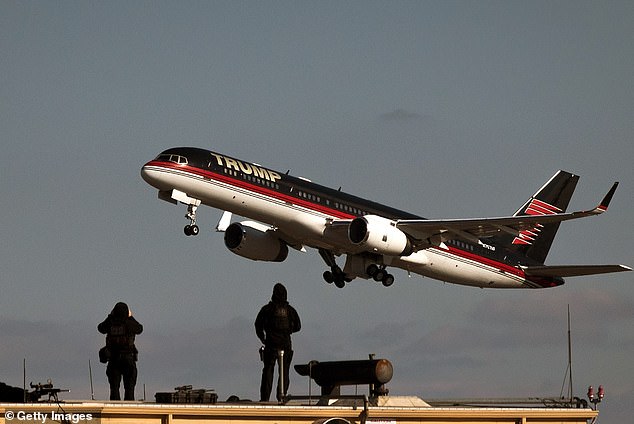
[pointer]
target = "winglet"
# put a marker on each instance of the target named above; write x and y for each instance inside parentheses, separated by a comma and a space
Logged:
(603, 206)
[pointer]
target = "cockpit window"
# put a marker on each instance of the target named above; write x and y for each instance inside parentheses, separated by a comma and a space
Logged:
(181, 160)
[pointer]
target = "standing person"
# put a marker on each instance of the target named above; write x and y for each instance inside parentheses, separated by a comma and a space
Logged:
(120, 328)
(275, 323)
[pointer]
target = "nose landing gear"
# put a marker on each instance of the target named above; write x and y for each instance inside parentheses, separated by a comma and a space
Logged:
(176, 196)
(191, 229)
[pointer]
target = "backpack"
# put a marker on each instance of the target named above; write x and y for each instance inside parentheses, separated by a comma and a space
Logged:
(117, 337)
(281, 319)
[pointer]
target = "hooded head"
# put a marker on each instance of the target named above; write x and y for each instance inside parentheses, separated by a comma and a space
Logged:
(279, 293)
(120, 311)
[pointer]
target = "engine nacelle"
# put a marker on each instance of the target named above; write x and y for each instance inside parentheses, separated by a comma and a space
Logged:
(255, 241)
(379, 235)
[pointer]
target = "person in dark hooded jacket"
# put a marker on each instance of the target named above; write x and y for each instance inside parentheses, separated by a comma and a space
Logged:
(275, 323)
(120, 329)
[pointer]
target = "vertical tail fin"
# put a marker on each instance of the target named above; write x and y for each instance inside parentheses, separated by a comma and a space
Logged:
(552, 197)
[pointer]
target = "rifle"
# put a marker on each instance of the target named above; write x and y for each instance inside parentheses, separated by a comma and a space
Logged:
(43, 389)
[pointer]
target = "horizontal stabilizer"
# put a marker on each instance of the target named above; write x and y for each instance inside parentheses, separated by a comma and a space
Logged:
(572, 270)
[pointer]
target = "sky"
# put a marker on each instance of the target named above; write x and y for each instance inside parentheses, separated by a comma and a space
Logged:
(446, 109)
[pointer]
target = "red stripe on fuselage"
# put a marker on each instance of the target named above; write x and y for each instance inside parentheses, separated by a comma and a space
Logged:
(227, 179)
(486, 261)
(501, 266)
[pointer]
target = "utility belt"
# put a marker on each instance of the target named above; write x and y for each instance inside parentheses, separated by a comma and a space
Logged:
(278, 352)
(107, 354)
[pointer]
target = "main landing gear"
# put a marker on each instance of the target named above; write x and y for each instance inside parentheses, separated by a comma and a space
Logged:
(191, 229)
(340, 278)
(336, 274)
(380, 274)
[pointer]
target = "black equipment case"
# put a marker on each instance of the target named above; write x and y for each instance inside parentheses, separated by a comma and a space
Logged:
(185, 394)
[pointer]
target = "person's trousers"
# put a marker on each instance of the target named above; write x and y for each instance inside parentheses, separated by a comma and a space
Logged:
(122, 366)
(270, 357)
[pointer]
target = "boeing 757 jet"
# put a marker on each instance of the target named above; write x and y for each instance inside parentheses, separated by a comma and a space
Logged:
(283, 211)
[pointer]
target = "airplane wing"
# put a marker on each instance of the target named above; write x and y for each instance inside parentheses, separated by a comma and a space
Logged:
(473, 229)
(572, 270)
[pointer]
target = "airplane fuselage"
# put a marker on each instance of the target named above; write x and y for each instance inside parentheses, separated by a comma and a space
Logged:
(299, 210)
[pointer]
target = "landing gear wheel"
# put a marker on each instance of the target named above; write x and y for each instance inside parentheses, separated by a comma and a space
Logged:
(379, 275)
(336, 276)
(339, 277)
(372, 269)
(191, 230)
(340, 283)
(388, 280)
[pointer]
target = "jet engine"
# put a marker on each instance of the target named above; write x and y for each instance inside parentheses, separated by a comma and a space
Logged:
(379, 235)
(255, 241)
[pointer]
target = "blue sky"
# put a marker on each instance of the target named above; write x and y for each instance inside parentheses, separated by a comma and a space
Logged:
(445, 109)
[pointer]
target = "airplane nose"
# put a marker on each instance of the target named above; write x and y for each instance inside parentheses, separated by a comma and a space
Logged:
(150, 175)
(145, 173)
(156, 176)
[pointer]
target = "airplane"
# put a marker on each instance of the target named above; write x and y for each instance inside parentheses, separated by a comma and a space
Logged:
(284, 211)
